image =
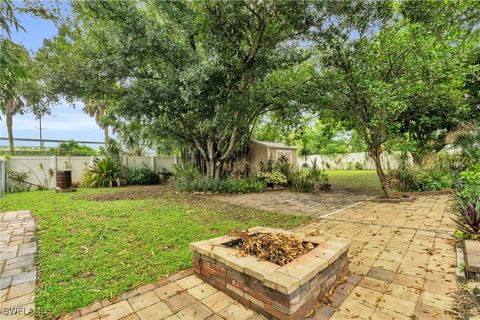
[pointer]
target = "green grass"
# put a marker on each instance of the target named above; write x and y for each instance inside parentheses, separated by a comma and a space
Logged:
(91, 250)
(357, 181)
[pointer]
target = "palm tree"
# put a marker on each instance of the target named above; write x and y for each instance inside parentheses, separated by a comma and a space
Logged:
(12, 83)
(13, 106)
(97, 109)
(467, 139)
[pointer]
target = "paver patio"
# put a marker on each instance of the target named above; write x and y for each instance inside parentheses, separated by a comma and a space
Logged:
(315, 205)
(402, 263)
(17, 264)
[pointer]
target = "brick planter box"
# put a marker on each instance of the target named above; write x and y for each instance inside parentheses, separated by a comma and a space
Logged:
(280, 292)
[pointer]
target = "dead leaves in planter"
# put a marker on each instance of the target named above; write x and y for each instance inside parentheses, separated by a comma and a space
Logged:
(278, 248)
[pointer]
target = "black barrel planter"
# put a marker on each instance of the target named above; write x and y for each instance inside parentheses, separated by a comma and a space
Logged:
(64, 180)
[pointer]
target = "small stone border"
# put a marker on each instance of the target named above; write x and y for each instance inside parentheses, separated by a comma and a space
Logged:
(127, 295)
(425, 193)
(471, 249)
(412, 196)
(394, 200)
(460, 270)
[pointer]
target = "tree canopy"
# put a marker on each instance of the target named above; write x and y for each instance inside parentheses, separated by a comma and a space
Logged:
(190, 70)
(204, 74)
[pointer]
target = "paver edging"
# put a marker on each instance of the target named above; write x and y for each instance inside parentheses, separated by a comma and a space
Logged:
(471, 257)
(94, 307)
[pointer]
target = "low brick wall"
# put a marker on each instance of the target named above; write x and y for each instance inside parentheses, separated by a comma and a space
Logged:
(270, 302)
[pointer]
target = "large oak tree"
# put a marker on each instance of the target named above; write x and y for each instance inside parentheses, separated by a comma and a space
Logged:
(191, 71)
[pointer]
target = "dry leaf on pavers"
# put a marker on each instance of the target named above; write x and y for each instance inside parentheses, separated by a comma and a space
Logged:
(277, 248)
(310, 313)
(327, 297)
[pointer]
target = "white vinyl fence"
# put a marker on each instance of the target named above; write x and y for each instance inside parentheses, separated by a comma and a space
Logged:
(41, 170)
(352, 161)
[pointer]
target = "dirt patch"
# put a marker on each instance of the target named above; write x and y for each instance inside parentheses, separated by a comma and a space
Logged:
(277, 248)
(128, 193)
(467, 300)
(295, 203)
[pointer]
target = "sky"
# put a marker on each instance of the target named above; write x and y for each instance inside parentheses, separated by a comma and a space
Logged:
(66, 122)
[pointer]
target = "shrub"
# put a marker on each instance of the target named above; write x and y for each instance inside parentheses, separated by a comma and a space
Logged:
(467, 217)
(274, 178)
(467, 139)
(185, 172)
(72, 148)
(299, 182)
(470, 183)
(223, 186)
(267, 166)
(358, 165)
(402, 180)
(17, 181)
(467, 203)
(308, 180)
(142, 175)
(305, 180)
(433, 180)
(103, 173)
(420, 180)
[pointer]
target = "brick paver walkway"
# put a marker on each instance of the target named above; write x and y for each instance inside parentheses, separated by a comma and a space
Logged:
(402, 260)
(297, 203)
(402, 263)
(17, 264)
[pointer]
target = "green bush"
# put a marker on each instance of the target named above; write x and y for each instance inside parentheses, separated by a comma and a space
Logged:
(142, 175)
(309, 180)
(103, 173)
(469, 184)
(274, 178)
(437, 174)
(222, 186)
(405, 180)
(185, 172)
(305, 179)
(467, 203)
(358, 165)
(73, 148)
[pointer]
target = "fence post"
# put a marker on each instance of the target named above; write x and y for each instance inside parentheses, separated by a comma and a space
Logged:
(125, 161)
(3, 176)
(53, 164)
(153, 163)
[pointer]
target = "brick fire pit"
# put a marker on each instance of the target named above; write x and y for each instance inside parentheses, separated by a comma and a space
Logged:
(283, 292)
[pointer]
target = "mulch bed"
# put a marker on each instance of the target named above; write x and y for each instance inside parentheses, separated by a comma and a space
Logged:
(467, 301)
(278, 248)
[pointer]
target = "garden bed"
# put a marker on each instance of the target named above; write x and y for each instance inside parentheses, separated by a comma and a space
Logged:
(287, 291)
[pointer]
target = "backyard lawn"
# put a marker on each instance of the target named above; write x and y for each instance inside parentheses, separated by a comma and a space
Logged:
(357, 181)
(98, 243)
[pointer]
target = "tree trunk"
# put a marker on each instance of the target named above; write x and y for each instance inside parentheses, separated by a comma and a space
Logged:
(375, 153)
(218, 169)
(210, 169)
(105, 135)
(417, 158)
(9, 121)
